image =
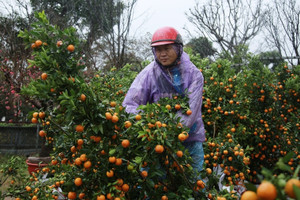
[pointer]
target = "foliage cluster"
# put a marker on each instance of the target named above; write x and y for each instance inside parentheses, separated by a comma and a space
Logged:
(102, 152)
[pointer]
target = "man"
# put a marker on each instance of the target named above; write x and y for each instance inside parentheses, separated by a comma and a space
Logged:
(171, 73)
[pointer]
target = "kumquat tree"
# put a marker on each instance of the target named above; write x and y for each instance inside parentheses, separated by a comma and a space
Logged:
(101, 152)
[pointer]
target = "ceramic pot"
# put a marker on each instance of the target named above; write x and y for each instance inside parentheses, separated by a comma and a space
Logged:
(37, 163)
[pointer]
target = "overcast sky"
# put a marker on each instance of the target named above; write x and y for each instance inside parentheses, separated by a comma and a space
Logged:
(153, 14)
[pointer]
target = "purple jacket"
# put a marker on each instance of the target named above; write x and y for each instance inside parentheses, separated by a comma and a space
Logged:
(155, 82)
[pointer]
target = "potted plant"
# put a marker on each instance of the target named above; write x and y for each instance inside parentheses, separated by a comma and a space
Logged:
(36, 163)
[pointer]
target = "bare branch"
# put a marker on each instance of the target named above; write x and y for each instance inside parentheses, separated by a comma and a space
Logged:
(229, 23)
(283, 28)
(115, 44)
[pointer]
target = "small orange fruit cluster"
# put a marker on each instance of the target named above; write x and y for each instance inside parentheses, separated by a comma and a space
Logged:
(37, 115)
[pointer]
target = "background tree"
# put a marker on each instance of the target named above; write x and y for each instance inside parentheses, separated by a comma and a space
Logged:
(272, 58)
(283, 28)
(231, 23)
(139, 51)
(239, 59)
(113, 45)
(13, 64)
(202, 46)
(92, 19)
(104, 25)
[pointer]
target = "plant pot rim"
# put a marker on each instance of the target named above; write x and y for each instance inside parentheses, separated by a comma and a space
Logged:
(36, 164)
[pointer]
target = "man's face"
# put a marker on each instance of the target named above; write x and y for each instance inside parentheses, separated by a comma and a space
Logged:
(166, 54)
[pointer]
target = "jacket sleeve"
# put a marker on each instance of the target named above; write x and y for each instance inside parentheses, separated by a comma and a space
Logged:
(138, 93)
(195, 100)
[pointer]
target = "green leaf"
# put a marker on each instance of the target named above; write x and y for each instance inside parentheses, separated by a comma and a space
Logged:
(266, 172)
(168, 143)
(295, 175)
(283, 166)
(250, 187)
(101, 128)
(138, 160)
(112, 152)
(296, 191)
(150, 183)
(64, 102)
(288, 157)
